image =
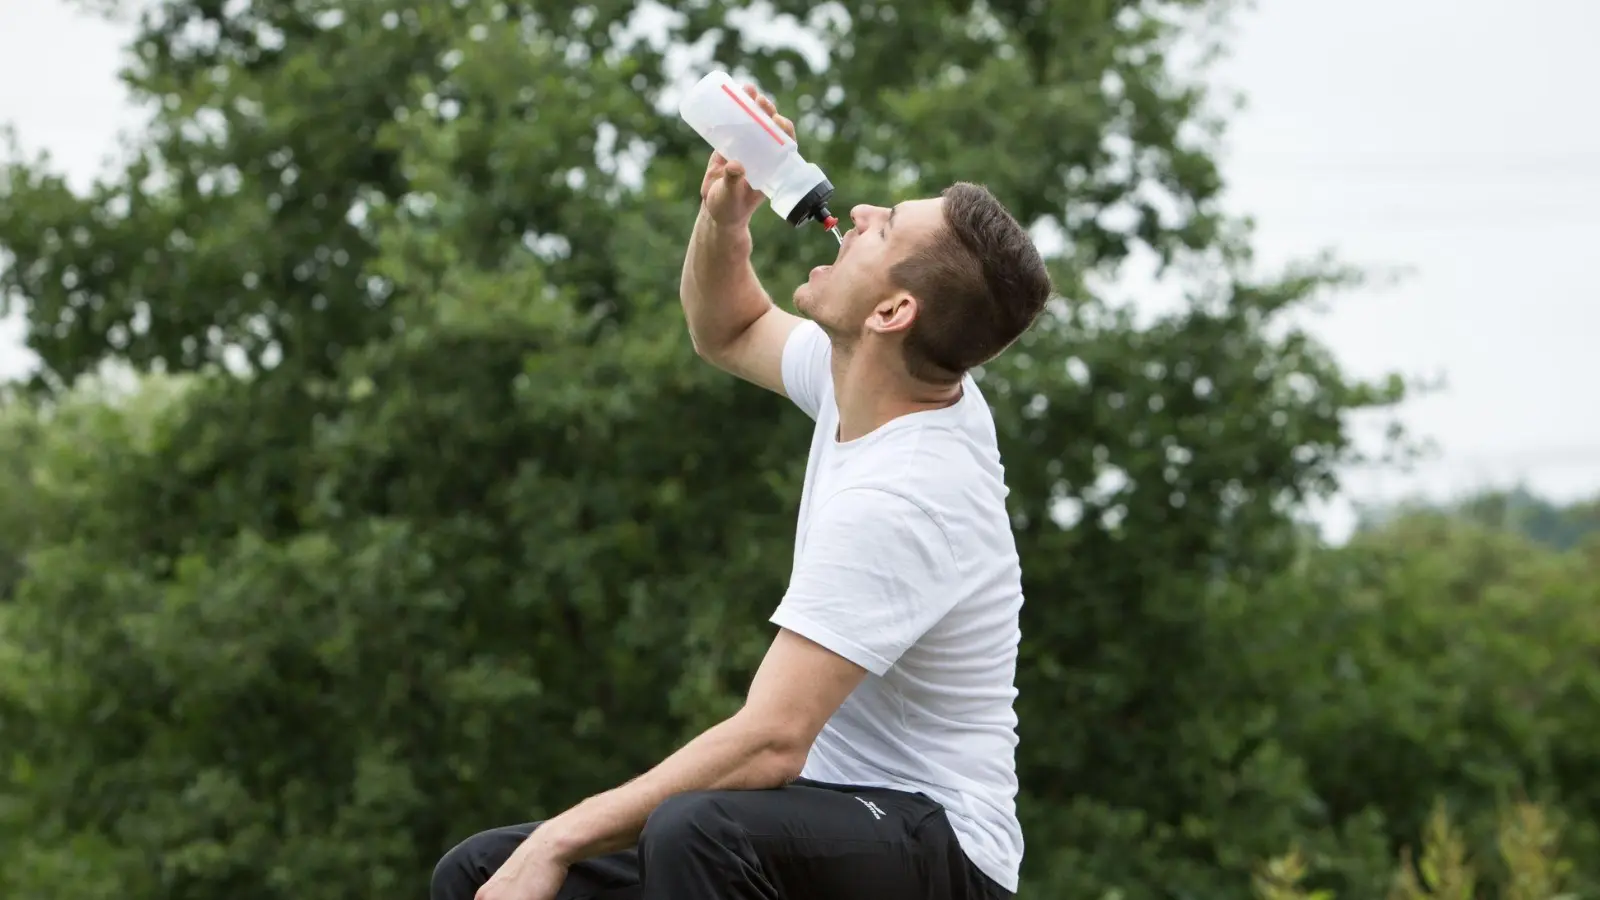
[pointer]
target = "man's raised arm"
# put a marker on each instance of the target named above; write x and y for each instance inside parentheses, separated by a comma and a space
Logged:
(732, 321)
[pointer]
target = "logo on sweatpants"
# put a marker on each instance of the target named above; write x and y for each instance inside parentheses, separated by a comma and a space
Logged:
(872, 808)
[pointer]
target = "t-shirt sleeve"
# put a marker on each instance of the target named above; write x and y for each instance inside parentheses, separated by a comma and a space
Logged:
(807, 358)
(876, 573)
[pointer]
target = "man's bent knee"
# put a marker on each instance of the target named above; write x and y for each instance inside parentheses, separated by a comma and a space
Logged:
(696, 817)
(453, 874)
(467, 865)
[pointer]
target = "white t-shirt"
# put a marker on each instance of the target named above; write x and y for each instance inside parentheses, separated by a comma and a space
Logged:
(904, 563)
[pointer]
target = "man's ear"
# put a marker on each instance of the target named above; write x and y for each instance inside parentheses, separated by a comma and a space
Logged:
(893, 315)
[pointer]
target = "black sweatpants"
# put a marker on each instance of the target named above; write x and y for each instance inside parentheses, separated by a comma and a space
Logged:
(805, 841)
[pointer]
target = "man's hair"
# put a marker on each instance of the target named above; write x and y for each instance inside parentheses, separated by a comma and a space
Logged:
(979, 283)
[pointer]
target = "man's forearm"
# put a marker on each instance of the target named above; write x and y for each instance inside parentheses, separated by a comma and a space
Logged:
(721, 294)
(736, 754)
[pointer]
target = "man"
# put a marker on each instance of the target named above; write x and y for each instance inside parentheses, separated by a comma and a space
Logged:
(874, 757)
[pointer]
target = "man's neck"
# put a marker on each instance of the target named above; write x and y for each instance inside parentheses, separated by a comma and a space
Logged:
(870, 395)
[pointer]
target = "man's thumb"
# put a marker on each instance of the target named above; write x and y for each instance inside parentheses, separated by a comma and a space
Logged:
(733, 172)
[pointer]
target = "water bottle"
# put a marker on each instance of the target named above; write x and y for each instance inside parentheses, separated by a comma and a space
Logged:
(725, 116)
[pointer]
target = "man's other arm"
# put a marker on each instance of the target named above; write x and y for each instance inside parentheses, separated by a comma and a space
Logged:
(732, 322)
(799, 685)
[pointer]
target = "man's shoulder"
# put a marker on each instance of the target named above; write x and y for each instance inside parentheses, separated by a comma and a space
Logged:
(940, 457)
(944, 474)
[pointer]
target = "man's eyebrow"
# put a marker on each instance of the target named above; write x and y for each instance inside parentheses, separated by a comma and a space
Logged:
(891, 216)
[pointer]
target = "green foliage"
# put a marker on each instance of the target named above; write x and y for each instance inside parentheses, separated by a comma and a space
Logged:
(443, 525)
(1437, 658)
(1518, 510)
(1442, 870)
(1282, 877)
(1529, 843)
(19, 438)
(1528, 847)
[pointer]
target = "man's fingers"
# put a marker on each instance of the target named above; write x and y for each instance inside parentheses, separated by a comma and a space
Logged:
(767, 106)
(763, 101)
(733, 172)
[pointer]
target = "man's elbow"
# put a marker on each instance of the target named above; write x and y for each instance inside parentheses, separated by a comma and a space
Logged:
(717, 353)
(709, 350)
(789, 762)
(781, 749)
(775, 768)
(699, 346)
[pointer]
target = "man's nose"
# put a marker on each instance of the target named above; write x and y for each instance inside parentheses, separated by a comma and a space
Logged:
(863, 215)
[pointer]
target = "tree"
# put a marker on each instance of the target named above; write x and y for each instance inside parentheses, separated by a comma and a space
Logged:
(1435, 659)
(453, 528)
(17, 440)
(62, 462)
(1521, 510)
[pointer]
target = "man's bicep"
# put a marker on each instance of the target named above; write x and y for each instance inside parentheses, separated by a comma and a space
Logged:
(757, 354)
(799, 685)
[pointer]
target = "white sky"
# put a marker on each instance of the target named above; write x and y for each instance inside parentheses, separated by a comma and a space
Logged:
(1445, 136)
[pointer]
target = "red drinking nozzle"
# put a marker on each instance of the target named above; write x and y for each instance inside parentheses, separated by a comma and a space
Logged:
(829, 222)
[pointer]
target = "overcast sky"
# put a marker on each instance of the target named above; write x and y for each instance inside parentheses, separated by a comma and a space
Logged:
(1449, 137)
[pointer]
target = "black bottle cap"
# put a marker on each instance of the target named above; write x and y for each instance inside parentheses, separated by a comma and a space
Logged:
(813, 206)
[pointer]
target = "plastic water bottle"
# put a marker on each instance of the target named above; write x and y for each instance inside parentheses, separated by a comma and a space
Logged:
(732, 123)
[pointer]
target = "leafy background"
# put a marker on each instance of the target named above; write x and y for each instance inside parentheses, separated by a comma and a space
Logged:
(405, 508)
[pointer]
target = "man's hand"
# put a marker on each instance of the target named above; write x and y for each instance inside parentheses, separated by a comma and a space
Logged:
(728, 197)
(532, 873)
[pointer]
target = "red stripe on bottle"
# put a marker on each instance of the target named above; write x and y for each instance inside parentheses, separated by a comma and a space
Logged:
(755, 116)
